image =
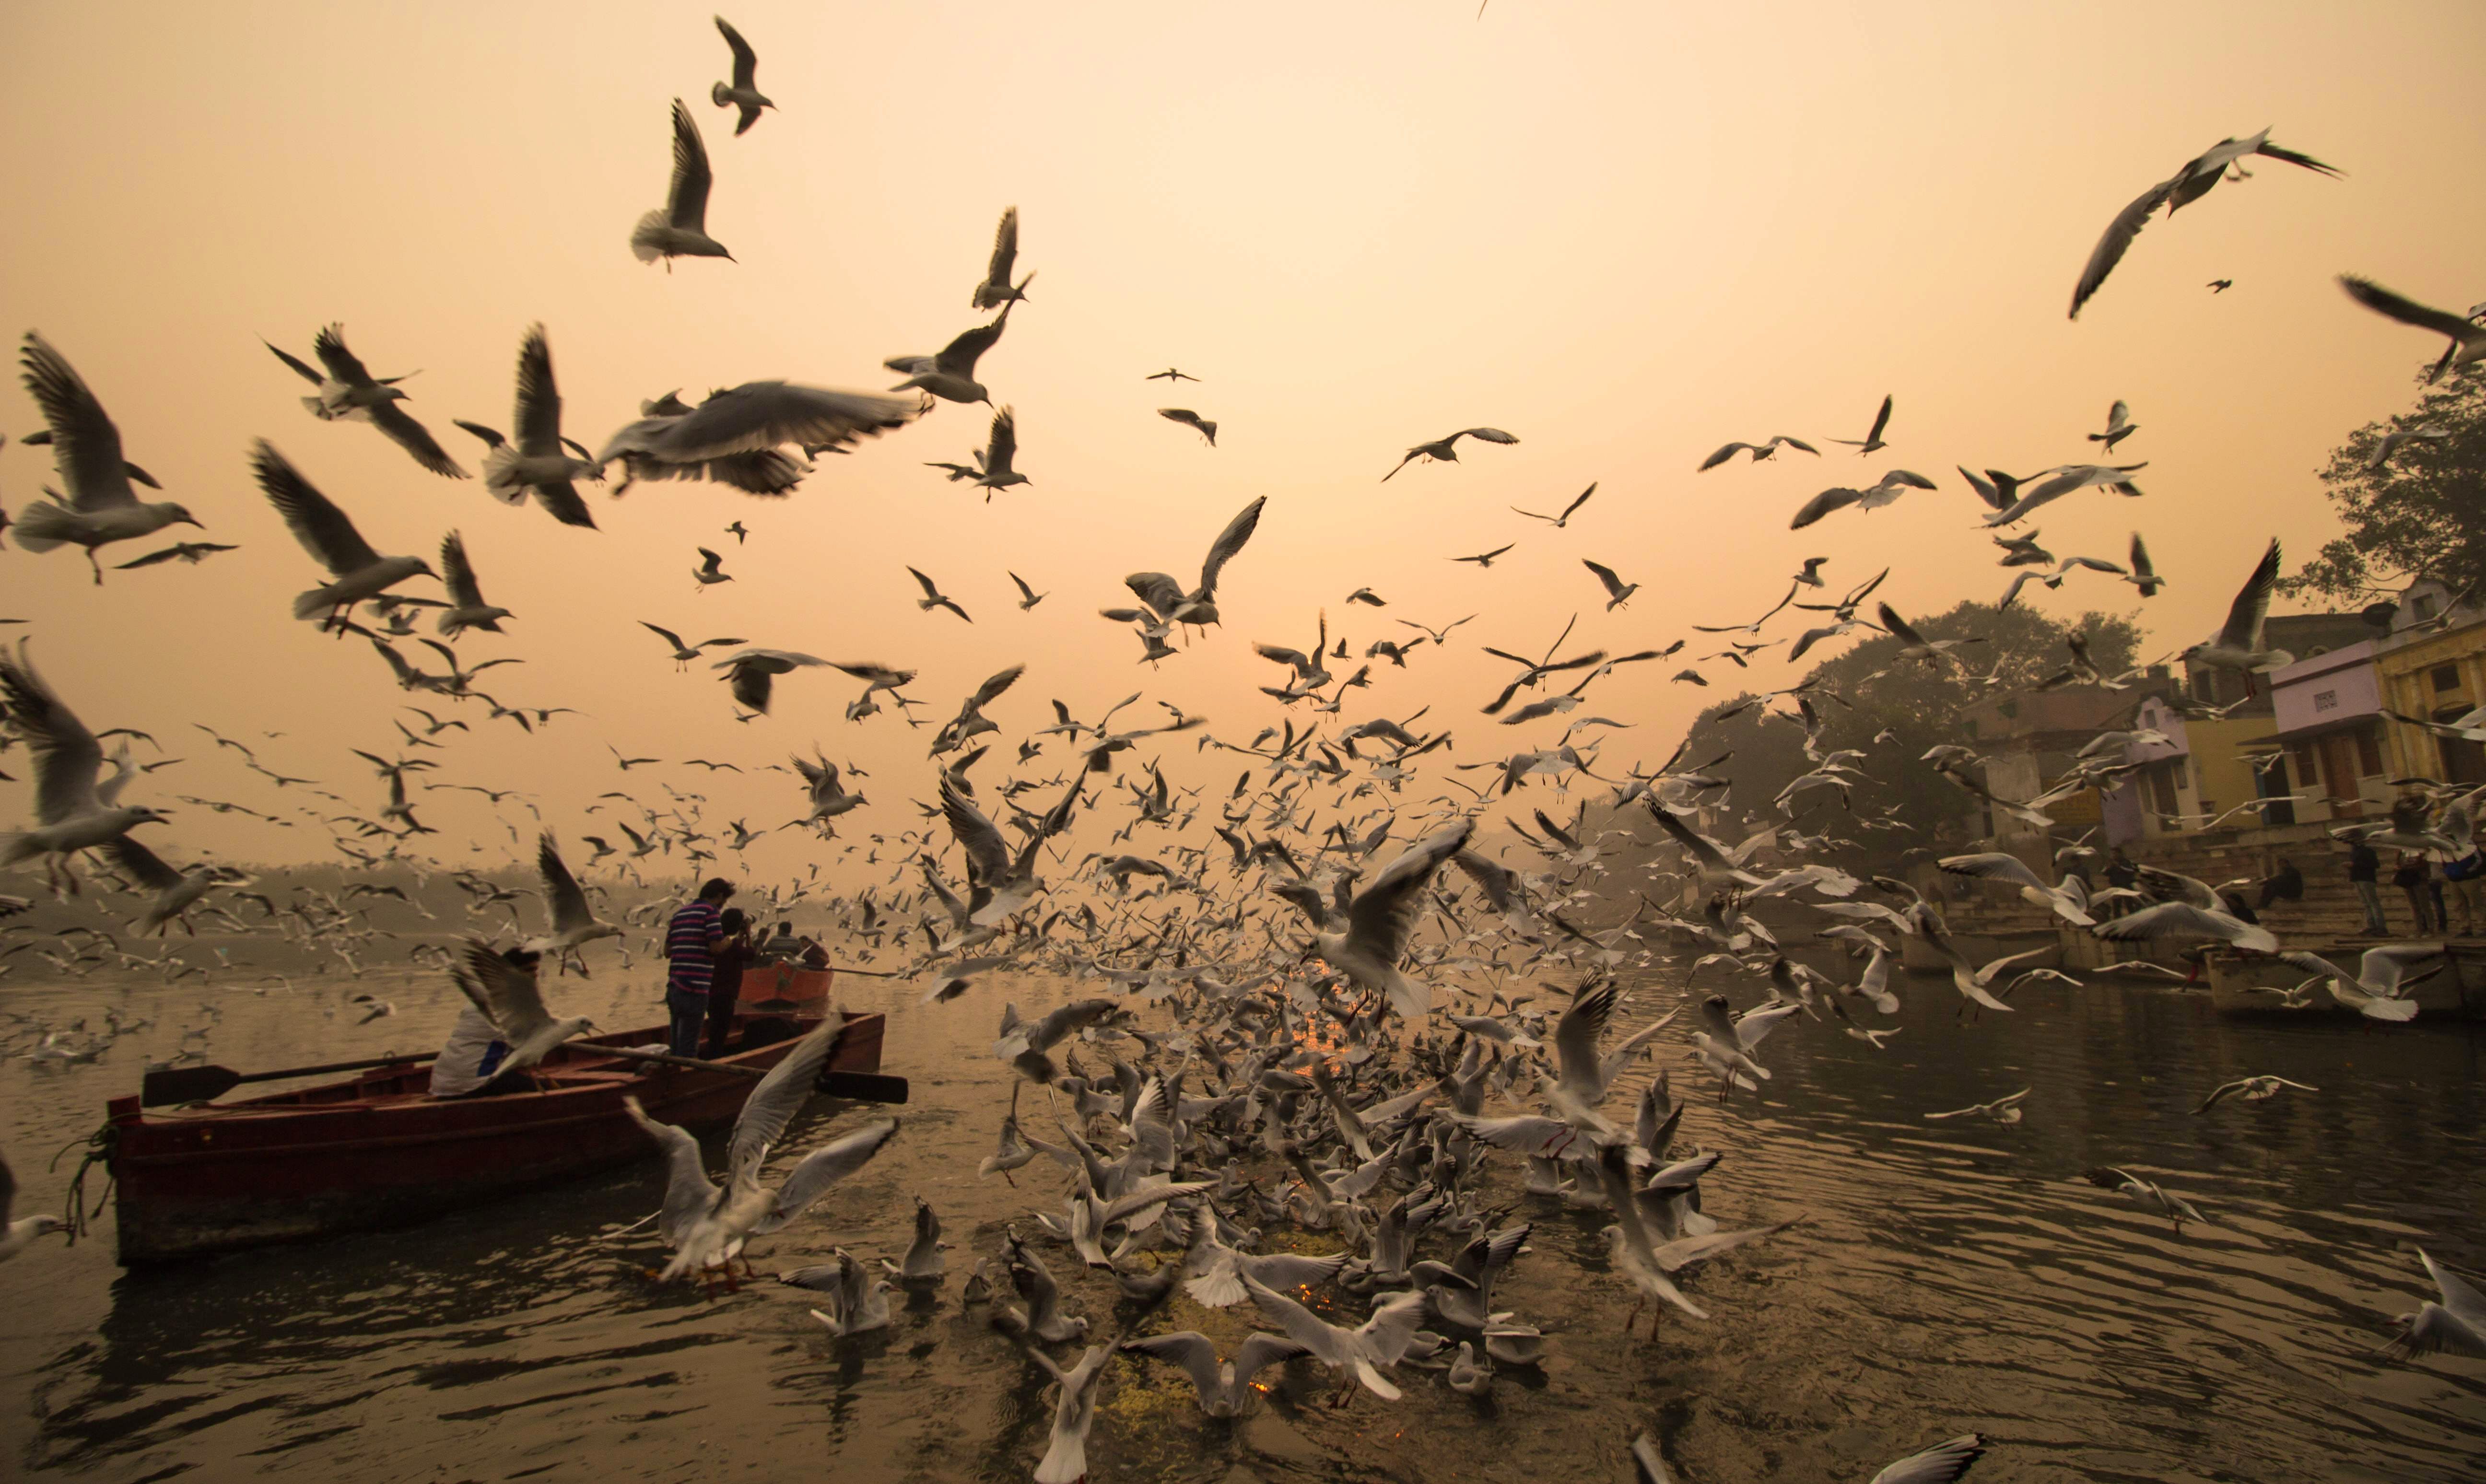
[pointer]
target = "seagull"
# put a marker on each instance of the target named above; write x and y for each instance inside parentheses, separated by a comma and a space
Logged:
(192, 551)
(933, 597)
(1165, 596)
(1558, 522)
(997, 290)
(1001, 448)
(2118, 426)
(573, 923)
(329, 535)
(1880, 494)
(1871, 442)
(2389, 443)
(2468, 336)
(466, 608)
(1617, 590)
(501, 983)
(1168, 375)
(1189, 419)
(744, 91)
(734, 437)
(2065, 901)
(1381, 1340)
(101, 509)
(19, 1233)
(2003, 1110)
(678, 228)
(2144, 1193)
(752, 673)
(2144, 575)
(1225, 1388)
(684, 653)
(2375, 990)
(2188, 184)
(539, 462)
(1380, 918)
(2238, 644)
(2456, 1324)
(2065, 480)
(1914, 645)
(707, 1226)
(348, 392)
(950, 375)
(1485, 558)
(858, 1303)
(829, 798)
(712, 568)
(1446, 448)
(2252, 1089)
(971, 721)
(2219, 284)
(2184, 920)
(1758, 450)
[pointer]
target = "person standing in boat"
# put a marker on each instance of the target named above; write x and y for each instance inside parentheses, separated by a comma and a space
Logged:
(733, 954)
(691, 940)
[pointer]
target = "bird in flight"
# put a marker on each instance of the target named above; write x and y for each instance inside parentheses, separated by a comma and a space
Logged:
(1169, 374)
(1558, 522)
(350, 393)
(678, 228)
(1192, 420)
(2188, 184)
(2468, 338)
(744, 91)
(1485, 558)
(933, 596)
(1871, 443)
(1446, 450)
(997, 290)
(1758, 450)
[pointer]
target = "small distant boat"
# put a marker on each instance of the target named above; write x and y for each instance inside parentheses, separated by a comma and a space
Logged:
(377, 1150)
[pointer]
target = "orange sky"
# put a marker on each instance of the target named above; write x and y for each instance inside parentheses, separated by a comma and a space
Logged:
(1625, 233)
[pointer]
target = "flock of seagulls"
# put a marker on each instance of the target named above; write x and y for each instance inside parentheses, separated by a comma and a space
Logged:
(1307, 1027)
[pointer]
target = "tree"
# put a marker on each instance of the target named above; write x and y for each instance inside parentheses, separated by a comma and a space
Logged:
(1869, 691)
(2422, 513)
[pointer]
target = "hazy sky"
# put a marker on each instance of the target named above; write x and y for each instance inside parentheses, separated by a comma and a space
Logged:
(1626, 232)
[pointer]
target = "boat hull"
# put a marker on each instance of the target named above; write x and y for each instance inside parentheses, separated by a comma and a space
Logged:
(378, 1152)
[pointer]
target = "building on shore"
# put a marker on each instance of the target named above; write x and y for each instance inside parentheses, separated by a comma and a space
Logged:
(2432, 666)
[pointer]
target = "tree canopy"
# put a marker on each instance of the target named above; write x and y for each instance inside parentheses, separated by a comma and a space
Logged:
(2420, 514)
(1869, 691)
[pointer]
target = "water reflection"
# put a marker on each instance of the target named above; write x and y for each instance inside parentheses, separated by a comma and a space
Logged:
(1951, 1276)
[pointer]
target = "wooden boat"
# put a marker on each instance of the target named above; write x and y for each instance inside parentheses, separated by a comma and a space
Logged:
(378, 1150)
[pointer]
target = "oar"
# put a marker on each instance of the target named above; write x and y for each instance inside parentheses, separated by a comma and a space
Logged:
(205, 1083)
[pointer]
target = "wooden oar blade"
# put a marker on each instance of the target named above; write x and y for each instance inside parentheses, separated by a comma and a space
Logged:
(186, 1084)
(862, 1086)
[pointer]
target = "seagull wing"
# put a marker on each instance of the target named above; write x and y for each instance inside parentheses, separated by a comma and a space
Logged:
(1229, 542)
(989, 860)
(746, 61)
(2242, 629)
(458, 574)
(822, 1167)
(299, 368)
(959, 357)
(1991, 866)
(780, 1095)
(2111, 247)
(1899, 629)
(537, 425)
(84, 438)
(2407, 311)
(343, 364)
(686, 199)
(1001, 446)
(1606, 575)
(667, 635)
(1488, 434)
(507, 995)
(416, 439)
(142, 865)
(68, 758)
(1004, 250)
(689, 1195)
(1944, 1462)
(757, 416)
(1383, 914)
(561, 892)
(322, 529)
(1822, 505)
(1576, 1036)
(1192, 1350)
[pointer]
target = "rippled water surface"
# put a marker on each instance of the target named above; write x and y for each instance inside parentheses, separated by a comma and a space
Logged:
(1952, 1277)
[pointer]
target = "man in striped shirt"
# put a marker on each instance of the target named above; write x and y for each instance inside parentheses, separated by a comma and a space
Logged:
(691, 941)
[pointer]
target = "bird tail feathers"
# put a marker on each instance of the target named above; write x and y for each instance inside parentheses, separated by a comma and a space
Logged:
(43, 526)
(312, 604)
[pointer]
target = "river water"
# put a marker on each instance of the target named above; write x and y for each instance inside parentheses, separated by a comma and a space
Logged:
(1952, 1277)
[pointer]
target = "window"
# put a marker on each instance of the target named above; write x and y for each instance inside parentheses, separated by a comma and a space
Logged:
(2445, 677)
(2307, 769)
(2424, 605)
(2326, 700)
(2162, 788)
(2369, 753)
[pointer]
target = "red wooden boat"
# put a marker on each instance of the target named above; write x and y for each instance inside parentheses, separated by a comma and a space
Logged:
(378, 1150)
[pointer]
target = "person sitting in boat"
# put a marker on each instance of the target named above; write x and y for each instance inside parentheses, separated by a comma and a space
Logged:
(782, 946)
(474, 1049)
(691, 941)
